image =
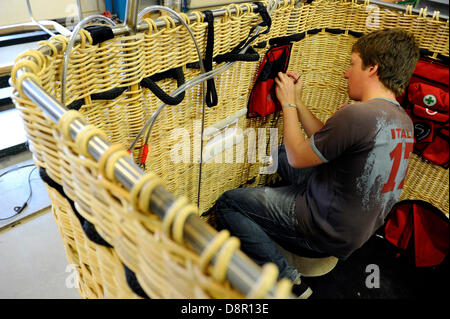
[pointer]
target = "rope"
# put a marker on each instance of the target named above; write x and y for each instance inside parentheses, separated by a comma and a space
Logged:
(150, 181)
(265, 282)
(223, 258)
(83, 137)
(66, 120)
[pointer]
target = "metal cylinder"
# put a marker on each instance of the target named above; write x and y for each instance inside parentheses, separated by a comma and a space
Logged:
(131, 13)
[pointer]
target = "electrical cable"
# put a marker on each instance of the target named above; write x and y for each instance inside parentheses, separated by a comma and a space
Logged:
(19, 209)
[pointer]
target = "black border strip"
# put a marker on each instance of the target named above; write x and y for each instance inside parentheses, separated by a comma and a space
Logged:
(13, 39)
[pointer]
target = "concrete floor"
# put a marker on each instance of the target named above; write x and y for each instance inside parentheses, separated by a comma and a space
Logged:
(14, 188)
(33, 262)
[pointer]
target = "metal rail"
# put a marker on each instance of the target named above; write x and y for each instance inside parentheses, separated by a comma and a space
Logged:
(400, 7)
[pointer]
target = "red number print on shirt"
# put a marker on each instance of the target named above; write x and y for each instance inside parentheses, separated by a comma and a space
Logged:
(396, 156)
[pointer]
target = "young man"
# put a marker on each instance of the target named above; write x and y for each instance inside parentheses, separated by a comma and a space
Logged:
(346, 176)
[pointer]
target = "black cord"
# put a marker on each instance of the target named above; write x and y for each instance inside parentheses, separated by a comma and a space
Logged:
(15, 169)
(19, 209)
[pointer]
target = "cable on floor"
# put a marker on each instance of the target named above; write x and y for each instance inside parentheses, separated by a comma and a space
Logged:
(19, 209)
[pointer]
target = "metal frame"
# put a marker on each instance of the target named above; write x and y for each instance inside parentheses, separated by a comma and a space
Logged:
(242, 272)
(59, 28)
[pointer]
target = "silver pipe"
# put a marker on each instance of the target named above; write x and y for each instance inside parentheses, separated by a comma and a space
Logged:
(202, 68)
(30, 14)
(184, 87)
(79, 11)
(192, 17)
(131, 13)
(203, 71)
(45, 101)
(242, 272)
(401, 7)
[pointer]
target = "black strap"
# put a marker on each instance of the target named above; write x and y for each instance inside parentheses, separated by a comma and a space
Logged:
(266, 22)
(88, 228)
(211, 93)
(107, 95)
(249, 56)
(233, 55)
(440, 58)
(133, 282)
(76, 105)
(300, 36)
(341, 31)
(176, 73)
(100, 33)
(261, 45)
(287, 39)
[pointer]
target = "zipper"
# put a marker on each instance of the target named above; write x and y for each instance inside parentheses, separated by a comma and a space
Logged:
(429, 80)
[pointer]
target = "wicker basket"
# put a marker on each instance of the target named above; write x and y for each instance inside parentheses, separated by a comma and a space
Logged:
(163, 266)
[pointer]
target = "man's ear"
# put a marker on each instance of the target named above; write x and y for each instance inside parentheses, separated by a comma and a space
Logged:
(373, 70)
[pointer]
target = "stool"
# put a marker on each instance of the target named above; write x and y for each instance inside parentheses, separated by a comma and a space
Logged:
(309, 263)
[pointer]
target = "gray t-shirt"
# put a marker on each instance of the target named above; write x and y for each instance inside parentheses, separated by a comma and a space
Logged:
(365, 148)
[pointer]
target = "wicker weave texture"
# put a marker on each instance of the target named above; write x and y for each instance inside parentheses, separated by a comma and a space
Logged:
(164, 267)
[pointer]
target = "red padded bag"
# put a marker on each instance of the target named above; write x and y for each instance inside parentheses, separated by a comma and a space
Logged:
(426, 100)
(421, 227)
(421, 112)
(263, 100)
(428, 95)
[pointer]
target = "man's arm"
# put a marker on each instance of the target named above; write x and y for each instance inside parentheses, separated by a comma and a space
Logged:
(299, 151)
(310, 123)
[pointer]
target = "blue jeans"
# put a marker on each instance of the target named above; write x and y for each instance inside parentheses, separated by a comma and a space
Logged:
(259, 215)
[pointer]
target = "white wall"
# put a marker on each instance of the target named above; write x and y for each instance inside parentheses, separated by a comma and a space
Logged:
(13, 12)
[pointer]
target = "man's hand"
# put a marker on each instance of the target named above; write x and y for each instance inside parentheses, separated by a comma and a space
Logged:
(298, 83)
(299, 151)
(285, 89)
